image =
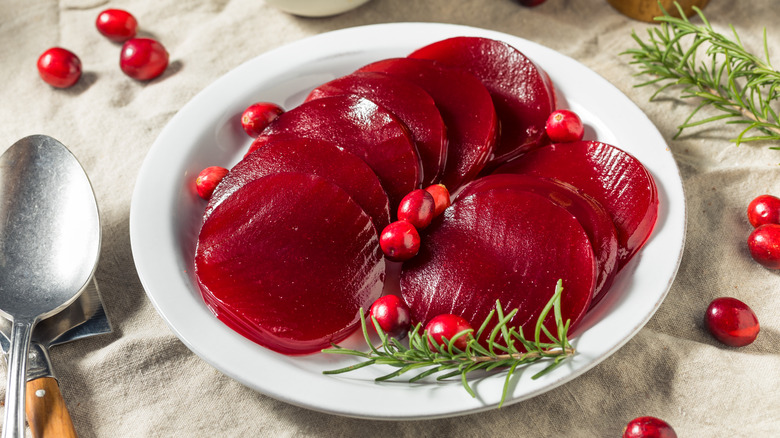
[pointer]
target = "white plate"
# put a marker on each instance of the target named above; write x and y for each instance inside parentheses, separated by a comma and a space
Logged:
(165, 218)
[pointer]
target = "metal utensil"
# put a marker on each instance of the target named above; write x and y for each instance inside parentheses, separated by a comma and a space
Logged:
(47, 413)
(49, 246)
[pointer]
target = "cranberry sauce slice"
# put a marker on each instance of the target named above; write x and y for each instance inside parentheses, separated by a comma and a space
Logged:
(465, 106)
(410, 103)
(591, 215)
(361, 127)
(316, 157)
(519, 89)
(502, 244)
(288, 260)
(613, 177)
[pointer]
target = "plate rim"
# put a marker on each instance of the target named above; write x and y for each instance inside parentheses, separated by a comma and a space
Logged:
(140, 237)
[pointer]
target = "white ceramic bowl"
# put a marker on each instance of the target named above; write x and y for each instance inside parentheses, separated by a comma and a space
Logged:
(316, 8)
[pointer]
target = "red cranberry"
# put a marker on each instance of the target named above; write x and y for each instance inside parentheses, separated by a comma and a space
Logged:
(400, 241)
(257, 116)
(732, 322)
(531, 2)
(765, 209)
(143, 58)
(392, 314)
(648, 427)
(417, 208)
(564, 126)
(208, 179)
(764, 245)
(59, 67)
(116, 25)
(447, 326)
(441, 197)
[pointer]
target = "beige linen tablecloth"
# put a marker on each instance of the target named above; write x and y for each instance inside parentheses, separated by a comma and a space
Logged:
(141, 381)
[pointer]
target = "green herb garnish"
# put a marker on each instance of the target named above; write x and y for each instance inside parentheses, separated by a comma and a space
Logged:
(741, 85)
(506, 349)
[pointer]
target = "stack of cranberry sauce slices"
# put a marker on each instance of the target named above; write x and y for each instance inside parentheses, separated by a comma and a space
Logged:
(289, 250)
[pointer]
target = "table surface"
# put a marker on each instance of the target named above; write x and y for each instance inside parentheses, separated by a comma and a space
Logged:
(141, 381)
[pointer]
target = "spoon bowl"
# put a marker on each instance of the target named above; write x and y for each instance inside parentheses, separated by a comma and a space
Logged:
(49, 246)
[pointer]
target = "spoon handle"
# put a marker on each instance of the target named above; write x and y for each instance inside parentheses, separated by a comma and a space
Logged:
(46, 411)
(13, 423)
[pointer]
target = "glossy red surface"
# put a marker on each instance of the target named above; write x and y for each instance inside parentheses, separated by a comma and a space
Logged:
(208, 179)
(447, 326)
(116, 24)
(648, 427)
(764, 209)
(518, 88)
(410, 103)
(417, 208)
(258, 116)
(617, 180)
(316, 157)
(564, 125)
(273, 270)
(465, 106)
(392, 315)
(589, 213)
(143, 59)
(59, 67)
(400, 241)
(764, 245)
(441, 198)
(503, 244)
(732, 322)
(361, 127)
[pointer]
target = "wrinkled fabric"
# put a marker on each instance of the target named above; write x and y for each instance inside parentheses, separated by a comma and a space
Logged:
(141, 381)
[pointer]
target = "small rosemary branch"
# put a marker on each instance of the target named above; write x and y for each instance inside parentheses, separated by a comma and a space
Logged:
(506, 348)
(742, 86)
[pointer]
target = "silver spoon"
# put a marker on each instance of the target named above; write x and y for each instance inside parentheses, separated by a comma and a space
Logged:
(49, 246)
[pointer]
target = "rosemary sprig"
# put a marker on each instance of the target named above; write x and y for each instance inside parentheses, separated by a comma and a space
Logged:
(506, 348)
(741, 85)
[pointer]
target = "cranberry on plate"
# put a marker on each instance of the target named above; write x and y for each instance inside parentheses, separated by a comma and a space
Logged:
(399, 241)
(441, 198)
(417, 208)
(59, 67)
(447, 326)
(257, 116)
(392, 315)
(116, 24)
(143, 58)
(208, 179)
(564, 126)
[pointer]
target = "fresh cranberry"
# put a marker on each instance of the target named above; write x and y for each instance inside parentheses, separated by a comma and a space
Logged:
(417, 208)
(392, 314)
(648, 427)
(765, 209)
(257, 116)
(530, 2)
(208, 179)
(447, 326)
(441, 197)
(400, 241)
(116, 25)
(564, 126)
(732, 322)
(143, 58)
(764, 245)
(59, 67)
